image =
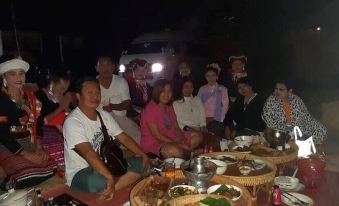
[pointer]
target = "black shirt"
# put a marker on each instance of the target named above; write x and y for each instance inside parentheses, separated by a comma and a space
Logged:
(9, 109)
(48, 106)
(246, 117)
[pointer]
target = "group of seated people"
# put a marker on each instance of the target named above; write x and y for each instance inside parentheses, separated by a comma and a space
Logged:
(167, 120)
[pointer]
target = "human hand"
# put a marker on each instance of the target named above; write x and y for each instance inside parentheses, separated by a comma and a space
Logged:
(65, 101)
(108, 192)
(145, 162)
(43, 154)
(184, 144)
(108, 107)
(33, 156)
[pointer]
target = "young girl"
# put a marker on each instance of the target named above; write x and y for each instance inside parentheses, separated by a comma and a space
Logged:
(215, 100)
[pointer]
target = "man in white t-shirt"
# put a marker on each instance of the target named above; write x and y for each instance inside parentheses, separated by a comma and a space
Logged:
(115, 97)
(85, 171)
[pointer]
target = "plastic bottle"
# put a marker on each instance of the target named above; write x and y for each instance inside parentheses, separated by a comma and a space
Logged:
(276, 196)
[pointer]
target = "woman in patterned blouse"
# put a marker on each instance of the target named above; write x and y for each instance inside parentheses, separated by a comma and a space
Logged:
(283, 110)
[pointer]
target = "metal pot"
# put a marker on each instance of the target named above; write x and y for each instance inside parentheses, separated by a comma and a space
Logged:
(276, 137)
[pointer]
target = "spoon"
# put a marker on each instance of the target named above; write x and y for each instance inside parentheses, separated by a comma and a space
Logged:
(189, 163)
(295, 172)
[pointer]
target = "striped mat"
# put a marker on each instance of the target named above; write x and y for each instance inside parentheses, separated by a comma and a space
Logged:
(53, 143)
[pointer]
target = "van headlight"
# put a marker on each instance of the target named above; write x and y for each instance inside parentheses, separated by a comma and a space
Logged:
(157, 67)
(122, 68)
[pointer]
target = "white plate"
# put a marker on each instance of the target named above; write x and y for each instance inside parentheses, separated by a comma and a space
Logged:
(220, 157)
(215, 187)
(235, 147)
(286, 182)
(300, 187)
(127, 204)
(302, 197)
(258, 164)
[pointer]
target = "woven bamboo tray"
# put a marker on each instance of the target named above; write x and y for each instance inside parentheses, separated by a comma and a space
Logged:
(249, 180)
(245, 199)
(283, 159)
(180, 201)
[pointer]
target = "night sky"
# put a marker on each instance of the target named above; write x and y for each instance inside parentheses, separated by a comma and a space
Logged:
(257, 28)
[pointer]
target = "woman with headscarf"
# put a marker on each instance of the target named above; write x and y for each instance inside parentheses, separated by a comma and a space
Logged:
(139, 89)
(19, 112)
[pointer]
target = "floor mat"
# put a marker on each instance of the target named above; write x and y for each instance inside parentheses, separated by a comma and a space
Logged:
(53, 143)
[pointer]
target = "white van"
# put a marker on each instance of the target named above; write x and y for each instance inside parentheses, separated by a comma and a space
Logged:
(164, 51)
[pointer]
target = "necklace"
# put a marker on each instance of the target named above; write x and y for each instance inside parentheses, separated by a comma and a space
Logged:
(19, 100)
(246, 103)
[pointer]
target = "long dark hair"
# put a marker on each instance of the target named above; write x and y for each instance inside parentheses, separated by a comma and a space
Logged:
(184, 80)
(248, 81)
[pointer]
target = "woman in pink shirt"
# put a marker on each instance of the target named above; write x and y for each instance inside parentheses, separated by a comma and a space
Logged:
(215, 100)
(160, 132)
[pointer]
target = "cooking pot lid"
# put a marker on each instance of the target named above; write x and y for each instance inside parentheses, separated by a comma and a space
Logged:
(12, 195)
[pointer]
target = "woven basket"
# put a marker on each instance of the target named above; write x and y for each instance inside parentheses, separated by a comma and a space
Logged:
(256, 180)
(181, 201)
(285, 158)
(245, 199)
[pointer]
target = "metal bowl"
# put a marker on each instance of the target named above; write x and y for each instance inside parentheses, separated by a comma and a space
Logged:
(276, 137)
(199, 171)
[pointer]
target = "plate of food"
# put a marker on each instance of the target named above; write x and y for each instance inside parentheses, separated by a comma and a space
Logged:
(150, 190)
(241, 149)
(200, 200)
(229, 159)
(210, 201)
(296, 199)
(230, 191)
(182, 190)
(206, 157)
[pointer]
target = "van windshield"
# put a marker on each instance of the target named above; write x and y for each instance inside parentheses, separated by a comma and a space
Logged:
(147, 47)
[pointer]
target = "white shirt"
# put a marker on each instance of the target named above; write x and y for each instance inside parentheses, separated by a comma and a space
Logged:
(117, 92)
(190, 112)
(78, 128)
